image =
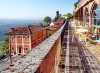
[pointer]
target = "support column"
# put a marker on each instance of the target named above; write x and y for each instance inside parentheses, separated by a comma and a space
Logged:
(30, 42)
(78, 17)
(81, 16)
(84, 17)
(23, 44)
(16, 44)
(90, 22)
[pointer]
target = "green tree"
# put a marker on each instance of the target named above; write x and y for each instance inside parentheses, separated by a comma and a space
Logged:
(4, 47)
(58, 15)
(76, 4)
(67, 16)
(47, 21)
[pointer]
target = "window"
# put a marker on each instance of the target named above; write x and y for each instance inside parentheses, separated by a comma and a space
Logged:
(26, 49)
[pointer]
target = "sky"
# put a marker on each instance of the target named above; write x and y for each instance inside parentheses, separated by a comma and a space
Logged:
(34, 9)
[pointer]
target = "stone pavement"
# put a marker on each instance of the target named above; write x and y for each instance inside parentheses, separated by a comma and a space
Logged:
(94, 49)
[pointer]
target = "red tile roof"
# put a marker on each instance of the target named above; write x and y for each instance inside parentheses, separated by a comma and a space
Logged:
(33, 28)
(24, 30)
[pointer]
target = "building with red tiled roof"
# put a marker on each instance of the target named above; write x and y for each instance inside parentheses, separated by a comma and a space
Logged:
(22, 39)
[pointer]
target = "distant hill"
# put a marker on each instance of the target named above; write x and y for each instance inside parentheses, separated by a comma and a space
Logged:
(6, 24)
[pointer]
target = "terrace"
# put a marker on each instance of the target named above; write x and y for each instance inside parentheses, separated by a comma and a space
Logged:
(31, 62)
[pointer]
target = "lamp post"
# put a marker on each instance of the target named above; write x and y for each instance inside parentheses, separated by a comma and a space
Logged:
(10, 57)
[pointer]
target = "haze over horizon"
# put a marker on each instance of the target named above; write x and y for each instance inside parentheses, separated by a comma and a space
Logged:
(33, 9)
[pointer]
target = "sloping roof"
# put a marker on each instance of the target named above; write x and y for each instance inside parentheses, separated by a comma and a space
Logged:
(33, 28)
(25, 30)
(19, 30)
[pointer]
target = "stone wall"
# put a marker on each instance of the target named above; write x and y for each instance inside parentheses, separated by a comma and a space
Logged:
(51, 61)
